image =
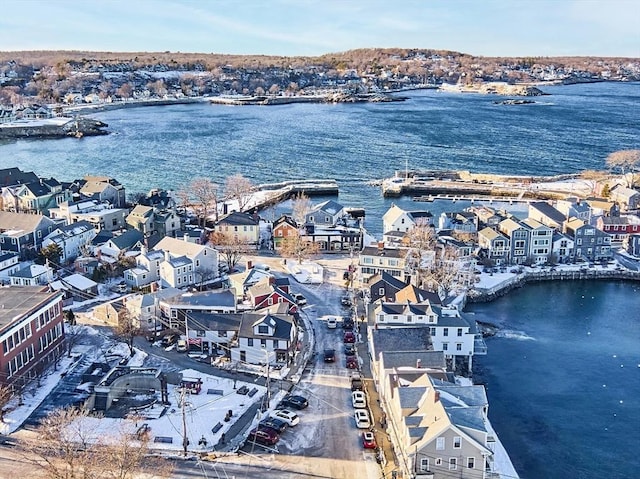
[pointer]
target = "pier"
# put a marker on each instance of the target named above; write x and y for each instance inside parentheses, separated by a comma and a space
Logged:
(273, 193)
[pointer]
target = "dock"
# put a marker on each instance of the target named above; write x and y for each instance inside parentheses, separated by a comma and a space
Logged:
(273, 193)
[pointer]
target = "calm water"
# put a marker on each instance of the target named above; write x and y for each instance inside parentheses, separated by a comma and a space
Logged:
(553, 397)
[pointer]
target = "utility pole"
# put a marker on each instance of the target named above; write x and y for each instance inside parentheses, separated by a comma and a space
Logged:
(266, 352)
(183, 400)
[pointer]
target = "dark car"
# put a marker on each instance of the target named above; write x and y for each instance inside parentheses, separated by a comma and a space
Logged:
(265, 436)
(352, 362)
(350, 349)
(329, 355)
(349, 337)
(293, 402)
(274, 423)
(347, 322)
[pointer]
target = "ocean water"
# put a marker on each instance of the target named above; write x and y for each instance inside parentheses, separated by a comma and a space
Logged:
(554, 389)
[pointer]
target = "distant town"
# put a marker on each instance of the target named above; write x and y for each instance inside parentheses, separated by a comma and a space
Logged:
(99, 284)
(71, 78)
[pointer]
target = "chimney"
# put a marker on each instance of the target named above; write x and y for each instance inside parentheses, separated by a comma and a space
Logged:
(436, 396)
(272, 280)
(418, 363)
(186, 237)
(167, 256)
(143, 249)
(380, 244)
(249, 264)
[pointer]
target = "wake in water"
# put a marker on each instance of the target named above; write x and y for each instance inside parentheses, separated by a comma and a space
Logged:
(511, 334)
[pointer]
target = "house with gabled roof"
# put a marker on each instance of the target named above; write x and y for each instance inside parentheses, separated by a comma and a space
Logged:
(327, 213)
(397, 219)
(118, 245)
(561, 248)
(15, 176)
(619, 227)
(34, 197)
(628, 198)
(103, 189)
(574, 207)
(546, 214)
(141, 219)
(494, 244)
(32, 275)
(458, 221)
(590, 244)
(203, 258)
(519, 237)
(103, 216)
(241, 282)
(486, 216)
(71, 239)
(266, 338)
(243, 226)
(375, 260)
(23, 233)
(283, 227)
(541, 237)
(440, 429)
(268, 292)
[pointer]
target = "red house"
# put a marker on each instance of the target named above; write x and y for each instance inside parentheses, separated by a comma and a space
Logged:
(270, 291)
(31, 333)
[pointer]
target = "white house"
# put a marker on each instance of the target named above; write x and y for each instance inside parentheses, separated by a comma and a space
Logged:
(32, 275)
(397, 219)
(9, 264)
(71, 239)
(540, 241)
(265, 338)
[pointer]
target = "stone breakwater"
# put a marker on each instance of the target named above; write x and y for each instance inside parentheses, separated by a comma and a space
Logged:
(57, 128)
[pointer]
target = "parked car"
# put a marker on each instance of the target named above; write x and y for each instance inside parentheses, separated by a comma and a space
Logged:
(352, 362)
(349, 337)
(362, 419)
(350, 349)
(347, 322)
(369, 440)
(274, 423)
(265, 436)
(356, 382)
(293, 402)
(358, 399)
(290, 417)
(329, 355)
(332, 322)
(169, 340)
(345, 301)
(182, 346)
(300, 300)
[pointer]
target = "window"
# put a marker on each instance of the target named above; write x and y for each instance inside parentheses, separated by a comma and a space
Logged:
(263, 329)
(471, 462)
(440, 444)
(445, 331)
(249, 341)
(457, 442)
(458, 346)
(445, 346)
(381, 291)
(459, 332)
(433, 331)
(438, 461)
(453, 463)
(424, 464)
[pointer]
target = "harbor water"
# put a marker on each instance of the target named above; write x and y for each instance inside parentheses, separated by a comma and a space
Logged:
(563, 377)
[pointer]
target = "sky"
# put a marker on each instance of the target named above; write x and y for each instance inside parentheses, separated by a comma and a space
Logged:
(316, 27)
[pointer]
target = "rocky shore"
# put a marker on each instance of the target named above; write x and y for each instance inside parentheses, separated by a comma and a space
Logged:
(53, 128)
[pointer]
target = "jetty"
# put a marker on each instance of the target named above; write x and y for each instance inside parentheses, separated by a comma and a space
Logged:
(268, 194)
(446, 184)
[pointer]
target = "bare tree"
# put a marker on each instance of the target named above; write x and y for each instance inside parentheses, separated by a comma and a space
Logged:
(205, 193)
(421, 244)
(232, 248)
(127, 329)
(68, 445)
(442, 275)
(592, 178)
(239, 188)
(627, 161)
(203, 275)
(298, 247)
(300, 206)
(6, 394)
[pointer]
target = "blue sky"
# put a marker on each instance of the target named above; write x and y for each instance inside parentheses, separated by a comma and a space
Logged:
(315, 27)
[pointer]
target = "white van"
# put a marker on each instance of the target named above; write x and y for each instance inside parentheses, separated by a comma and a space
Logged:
(182, 346)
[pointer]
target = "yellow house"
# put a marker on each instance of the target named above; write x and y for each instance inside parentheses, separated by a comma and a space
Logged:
(241, 226)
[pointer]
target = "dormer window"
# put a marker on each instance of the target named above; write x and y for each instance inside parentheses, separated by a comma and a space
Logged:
(263, 329)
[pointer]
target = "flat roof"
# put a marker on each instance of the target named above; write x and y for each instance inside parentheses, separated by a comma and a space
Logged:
(18, 301)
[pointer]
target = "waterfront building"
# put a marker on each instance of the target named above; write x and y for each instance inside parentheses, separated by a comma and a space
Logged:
(397, 219)
(561, 248)
(540, 242)
(327, 213)
(494, 246)
(619, 227)
(103, 189)
(591, 244)
(375, 260)
(546, 214)
(31, 333)
(519, 236)
(628, 198)
(102, 216)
